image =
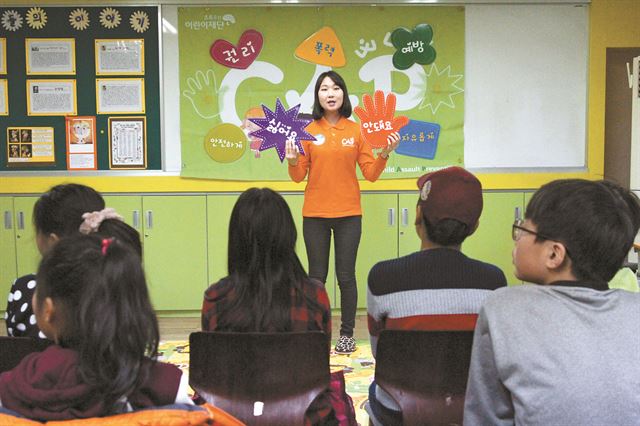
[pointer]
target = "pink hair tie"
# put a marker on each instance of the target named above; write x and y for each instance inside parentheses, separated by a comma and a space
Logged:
(93, 220)
(106, 242)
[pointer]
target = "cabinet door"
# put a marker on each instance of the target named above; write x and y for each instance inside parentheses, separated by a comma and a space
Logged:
(492, 241)
(219, 209)
(379, 239)
(295, 203)
(8, 272)
(175, 247)
(27, 252)
(408, 240)
(127, 206)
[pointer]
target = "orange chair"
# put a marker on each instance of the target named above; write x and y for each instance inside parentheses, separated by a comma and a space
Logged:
(426, 373)
(13, 349)
(260, 378)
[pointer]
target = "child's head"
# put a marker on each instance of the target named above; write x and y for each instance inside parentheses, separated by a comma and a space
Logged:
(262, 233)
(449, 206)
(58, 212)
(92, 297)
(107, 223)
(575, 229)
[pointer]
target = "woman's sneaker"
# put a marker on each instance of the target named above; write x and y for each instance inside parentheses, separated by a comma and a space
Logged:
(345, 345)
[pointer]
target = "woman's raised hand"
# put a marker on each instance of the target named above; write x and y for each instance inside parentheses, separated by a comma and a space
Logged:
(393, 140)
(291, 152)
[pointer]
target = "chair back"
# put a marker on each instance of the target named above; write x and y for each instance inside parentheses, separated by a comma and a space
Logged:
(13, 349)
(260, 378)
(426, 373)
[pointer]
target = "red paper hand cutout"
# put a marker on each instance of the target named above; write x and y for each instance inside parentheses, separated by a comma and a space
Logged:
(376, 118)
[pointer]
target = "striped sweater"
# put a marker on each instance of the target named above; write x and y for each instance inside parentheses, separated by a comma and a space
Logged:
(431, 289)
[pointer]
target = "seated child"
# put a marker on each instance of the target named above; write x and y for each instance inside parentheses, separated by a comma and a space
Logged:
(57, 214)
(267, 289)
(564, 351)
(416, 292)
(92, 301)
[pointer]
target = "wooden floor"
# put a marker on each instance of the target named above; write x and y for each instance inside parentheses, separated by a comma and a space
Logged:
(180, 328)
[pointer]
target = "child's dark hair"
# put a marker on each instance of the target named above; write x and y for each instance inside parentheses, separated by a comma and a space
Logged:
(99, 289)
(122, 232)
(447, 232)
(263, 264)
(345, 110)
(596, 221)
(59, 210)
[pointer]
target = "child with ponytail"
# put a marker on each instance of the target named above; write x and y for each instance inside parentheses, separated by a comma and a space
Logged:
(92, 301)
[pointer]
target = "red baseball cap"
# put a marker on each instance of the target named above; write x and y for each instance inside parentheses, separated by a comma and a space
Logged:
(450, 193)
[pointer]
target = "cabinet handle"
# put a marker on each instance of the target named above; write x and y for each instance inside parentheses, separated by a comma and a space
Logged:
(149, 215)
(517, 213)
(20, 220)
(392, 217)
(135, 219)
(405, 216)
(7, 220)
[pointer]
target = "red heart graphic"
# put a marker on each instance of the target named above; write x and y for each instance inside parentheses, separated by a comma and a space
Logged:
(240, 57)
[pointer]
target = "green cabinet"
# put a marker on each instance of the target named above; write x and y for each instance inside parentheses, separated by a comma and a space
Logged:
(379, 240)
(175, 246)
(408, 240)
(8, 271)
(27, 254)
(492, 241)
(219, 209)
(19, 253)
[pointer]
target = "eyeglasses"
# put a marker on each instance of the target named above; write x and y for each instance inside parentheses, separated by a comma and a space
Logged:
(517, 229)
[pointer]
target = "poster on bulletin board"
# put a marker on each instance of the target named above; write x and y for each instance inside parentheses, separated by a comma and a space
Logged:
(237, 61)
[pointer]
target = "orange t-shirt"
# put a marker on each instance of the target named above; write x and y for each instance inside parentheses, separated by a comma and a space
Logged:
(332, 187)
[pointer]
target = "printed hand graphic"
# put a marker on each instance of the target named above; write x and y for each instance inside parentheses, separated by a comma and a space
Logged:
(203, 94)
(376, 119)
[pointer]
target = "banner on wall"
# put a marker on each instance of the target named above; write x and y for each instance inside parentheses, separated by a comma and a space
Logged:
(234, 61)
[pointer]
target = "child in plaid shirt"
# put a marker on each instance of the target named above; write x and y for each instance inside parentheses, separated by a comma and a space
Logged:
(267, 289)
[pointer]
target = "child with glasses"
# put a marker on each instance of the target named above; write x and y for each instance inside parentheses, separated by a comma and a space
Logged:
(564, 351)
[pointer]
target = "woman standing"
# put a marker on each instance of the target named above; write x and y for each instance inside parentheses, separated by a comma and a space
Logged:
(332, 195)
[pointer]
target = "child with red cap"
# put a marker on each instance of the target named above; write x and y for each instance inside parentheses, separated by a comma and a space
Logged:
(415, 291)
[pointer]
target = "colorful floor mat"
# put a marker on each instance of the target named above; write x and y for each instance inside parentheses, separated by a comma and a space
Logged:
(358, 369)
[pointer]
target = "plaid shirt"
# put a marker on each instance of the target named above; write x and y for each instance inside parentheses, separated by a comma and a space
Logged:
(303, 318)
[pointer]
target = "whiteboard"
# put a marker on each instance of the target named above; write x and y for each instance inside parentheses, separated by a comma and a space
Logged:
(526, 69)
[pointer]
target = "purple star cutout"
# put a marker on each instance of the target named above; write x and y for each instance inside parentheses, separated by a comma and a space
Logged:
(279, 126)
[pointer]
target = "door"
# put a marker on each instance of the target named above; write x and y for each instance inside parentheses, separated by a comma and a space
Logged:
(379, 239)
(27, 253)
(175, 250)
(8, 272)
(492, 241)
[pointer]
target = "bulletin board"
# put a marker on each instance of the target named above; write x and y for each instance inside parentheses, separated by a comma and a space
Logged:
(102, 105)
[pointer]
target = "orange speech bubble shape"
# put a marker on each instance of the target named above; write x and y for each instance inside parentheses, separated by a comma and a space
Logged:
(377, 119)
(322, 48)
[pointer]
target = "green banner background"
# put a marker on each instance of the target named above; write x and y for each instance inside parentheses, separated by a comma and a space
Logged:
(431, 93)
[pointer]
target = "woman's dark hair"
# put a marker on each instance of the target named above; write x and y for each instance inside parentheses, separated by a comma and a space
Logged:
(99, 289)
(345, 109)
(596, 221)
(263, 266)
(447, 232)
(115, 228)
(60, 209)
